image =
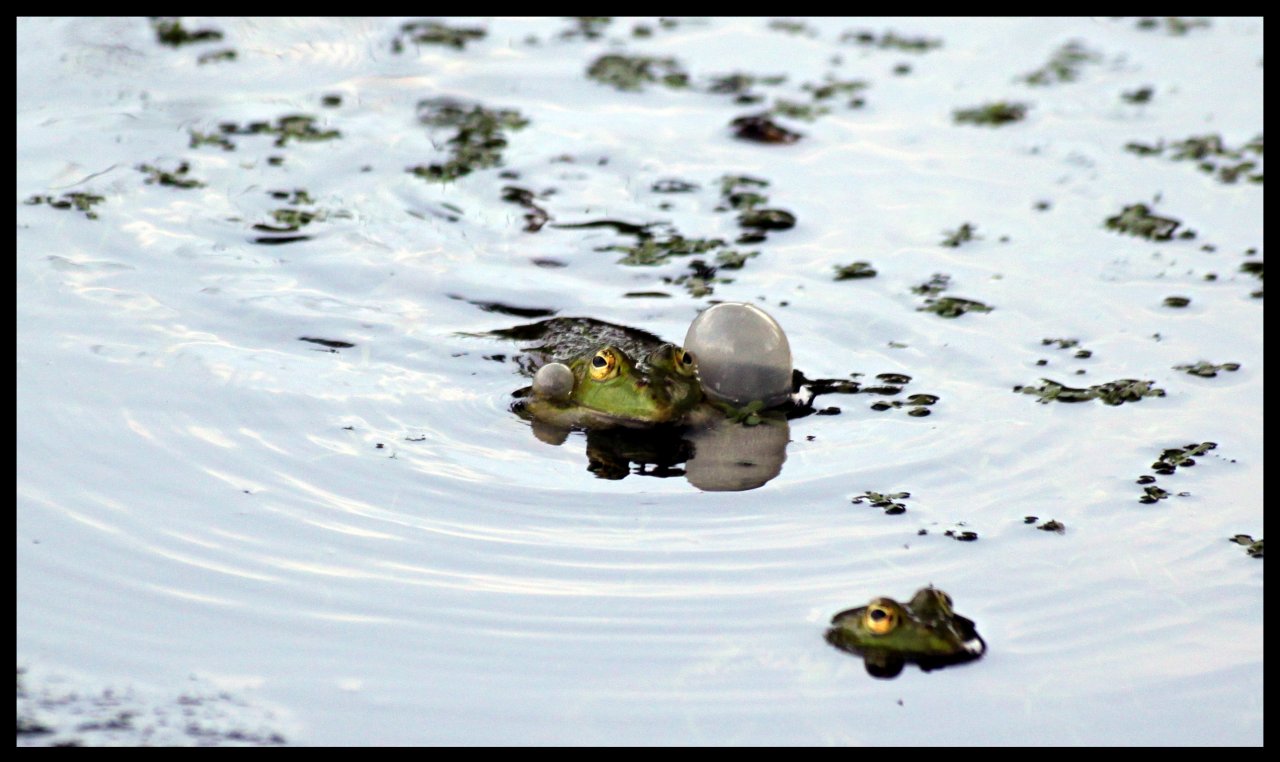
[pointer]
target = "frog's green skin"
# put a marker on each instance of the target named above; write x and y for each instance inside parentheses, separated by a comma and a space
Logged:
(927, 631)
(609, 390)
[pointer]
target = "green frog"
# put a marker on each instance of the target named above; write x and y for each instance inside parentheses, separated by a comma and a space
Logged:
(926, 631)
(607, 388)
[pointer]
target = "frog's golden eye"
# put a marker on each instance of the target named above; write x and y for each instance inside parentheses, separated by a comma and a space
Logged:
(604, 365)
(880, 619)
(685, 362)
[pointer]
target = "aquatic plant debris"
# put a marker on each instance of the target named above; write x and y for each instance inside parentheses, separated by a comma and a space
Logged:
(1139, 220)
(1064, 65)
(917, 404)
(741, 85)
(855, 271)
(1181, 457)
(176, 178)
(952, 306)
(329, 343)
(945, 306)
(1210, 154)
(299, 127)
(171, 32)
(1252, 547)
(589, 27)
(759, 128)
(963, 234)
(78, 200)
(216, 56)
(1175, 26)
(632, 73)
(1170, 460)
(1138, 96)
(890, 502)
(788, 26)
(435, 33)
(1052, 525)
(890, 40)
(1111, 393)
(478, 141)
(536, 216)
(994, 114)
(889, 385)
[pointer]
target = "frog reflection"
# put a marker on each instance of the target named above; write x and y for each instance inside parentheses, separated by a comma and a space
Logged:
(925, 631)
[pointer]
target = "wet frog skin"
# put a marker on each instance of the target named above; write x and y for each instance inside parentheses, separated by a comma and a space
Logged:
(607, 388)
(926, 631)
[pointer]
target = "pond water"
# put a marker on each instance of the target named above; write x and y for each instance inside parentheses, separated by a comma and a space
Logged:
(229, 532)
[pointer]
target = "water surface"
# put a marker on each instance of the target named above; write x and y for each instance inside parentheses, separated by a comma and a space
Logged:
(363, 544)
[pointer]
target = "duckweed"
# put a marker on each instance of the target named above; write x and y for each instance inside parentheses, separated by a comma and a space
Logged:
(767, 219)
(735, 190)
(632, 73)
(329, 343)
(991, 114)
(953, 306)
(80, 201)
(479, 139)
(855, 271)
(946, 306)
(217, 56)
(741, 85)
(1252, 547)
(1053, 525)
(1111, 393)
(1174, 458)
(171, 32)
(891, 41)
(586, 27)
(1252, 268)
(176, 179)
(655, 251)
(962, 234)
(1211, 155)
(673, 185)
(1175, 26)
(298, 127)
(1138, 219)
(1063, 66)
(1153, 494)
(787, 26)
(536, 216)
(759, 128)
(1139, 96)
(891, 502)
(435, 33)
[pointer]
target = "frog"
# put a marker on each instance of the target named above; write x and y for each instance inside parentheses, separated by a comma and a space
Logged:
(925, 631)
(608, 388)
(652, 416)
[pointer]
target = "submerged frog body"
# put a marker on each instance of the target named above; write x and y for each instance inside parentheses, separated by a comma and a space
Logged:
(607, 388)
(926, 631)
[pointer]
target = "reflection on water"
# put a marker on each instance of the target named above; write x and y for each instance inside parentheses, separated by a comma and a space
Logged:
(718, 456)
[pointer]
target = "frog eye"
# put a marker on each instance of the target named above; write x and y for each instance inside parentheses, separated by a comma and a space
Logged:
(604, 365)
(880, 619)
(684, 362)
